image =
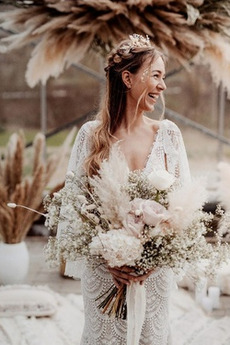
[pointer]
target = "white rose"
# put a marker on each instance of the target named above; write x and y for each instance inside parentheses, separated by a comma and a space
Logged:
(161, 179)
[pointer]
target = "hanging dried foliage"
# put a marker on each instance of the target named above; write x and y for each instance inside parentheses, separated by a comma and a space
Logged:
(64, 31)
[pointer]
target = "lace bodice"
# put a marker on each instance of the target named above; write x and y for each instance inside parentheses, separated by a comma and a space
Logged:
(168, 151)
(167, 147)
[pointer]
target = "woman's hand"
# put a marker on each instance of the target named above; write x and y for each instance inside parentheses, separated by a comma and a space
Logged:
(124, 275)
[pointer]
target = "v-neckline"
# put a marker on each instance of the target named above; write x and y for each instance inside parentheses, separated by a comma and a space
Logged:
(152, 147)
(150, 151)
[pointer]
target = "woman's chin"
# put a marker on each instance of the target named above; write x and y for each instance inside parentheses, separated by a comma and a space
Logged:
(149, 108)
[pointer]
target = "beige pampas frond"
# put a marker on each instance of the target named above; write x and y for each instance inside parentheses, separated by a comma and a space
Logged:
(186, 201)
(113, 174)
(59, 173)
(196, 3)
(27, 190)
(13, 171)
(39, 149)
(216, 55)
(6, 223)
(55, 53)
(23, 34)
(15, 188)
(63, 31)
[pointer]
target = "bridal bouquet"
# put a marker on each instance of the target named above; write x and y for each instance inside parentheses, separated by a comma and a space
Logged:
(122, 218)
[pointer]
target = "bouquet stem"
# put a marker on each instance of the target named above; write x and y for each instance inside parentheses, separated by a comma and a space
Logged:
(114, 303)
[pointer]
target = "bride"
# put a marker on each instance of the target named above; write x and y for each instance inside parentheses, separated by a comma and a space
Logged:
(135, 80)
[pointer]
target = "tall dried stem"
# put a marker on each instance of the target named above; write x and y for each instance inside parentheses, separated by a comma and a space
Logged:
(27, 191)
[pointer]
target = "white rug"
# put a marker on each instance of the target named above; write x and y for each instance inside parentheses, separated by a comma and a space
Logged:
(189, 324)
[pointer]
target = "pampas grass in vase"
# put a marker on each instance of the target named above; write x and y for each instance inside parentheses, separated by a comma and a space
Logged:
(26, 190)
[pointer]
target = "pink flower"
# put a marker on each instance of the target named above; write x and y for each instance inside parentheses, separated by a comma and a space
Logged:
(133, 224)
(143, 212)
(152, 212)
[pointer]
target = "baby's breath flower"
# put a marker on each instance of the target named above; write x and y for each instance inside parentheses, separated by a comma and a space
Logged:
(134, 236)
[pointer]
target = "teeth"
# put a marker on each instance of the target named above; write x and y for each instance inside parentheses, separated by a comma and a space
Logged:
(153, 96)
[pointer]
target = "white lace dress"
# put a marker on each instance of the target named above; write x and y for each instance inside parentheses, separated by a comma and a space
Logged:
(168, 149)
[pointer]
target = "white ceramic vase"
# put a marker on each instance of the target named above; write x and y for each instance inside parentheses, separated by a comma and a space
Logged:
(14, 263)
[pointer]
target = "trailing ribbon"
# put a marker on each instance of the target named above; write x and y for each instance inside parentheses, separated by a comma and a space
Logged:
(136, 306)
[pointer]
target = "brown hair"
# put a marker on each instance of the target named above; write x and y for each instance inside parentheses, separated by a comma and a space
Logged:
(124, 57)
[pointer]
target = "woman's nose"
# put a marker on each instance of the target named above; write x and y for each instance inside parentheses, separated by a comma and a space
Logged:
(162, 85)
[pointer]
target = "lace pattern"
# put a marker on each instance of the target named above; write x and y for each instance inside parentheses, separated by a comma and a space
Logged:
(99, 329)
(81, 148)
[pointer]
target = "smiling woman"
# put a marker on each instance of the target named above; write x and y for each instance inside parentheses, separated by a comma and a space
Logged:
(143, 90)
(135, 75)
(135, 80)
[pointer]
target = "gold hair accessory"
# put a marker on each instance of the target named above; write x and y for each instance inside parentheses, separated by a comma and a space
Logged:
(139, 41)
(135, 41)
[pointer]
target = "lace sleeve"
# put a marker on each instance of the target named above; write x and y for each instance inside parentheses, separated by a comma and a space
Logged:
(176, 156)
(80, 151)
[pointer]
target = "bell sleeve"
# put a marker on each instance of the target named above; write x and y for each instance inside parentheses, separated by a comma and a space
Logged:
(175, 151)
(80, 151)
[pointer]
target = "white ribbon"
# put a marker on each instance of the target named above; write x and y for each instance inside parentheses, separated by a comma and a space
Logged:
(136, 306)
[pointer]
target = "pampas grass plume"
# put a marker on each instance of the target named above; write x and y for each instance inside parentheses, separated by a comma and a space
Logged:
(112, 175)
(217, 56)
(63, 31)
(185, 201)
(17, 189)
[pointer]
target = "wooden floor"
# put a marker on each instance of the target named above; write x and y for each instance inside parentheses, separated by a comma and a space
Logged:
(40, 274)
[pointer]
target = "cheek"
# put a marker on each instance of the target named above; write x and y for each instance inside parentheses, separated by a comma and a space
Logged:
(139, 88)
(152, 83)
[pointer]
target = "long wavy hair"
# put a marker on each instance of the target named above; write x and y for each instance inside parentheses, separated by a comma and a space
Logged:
(124, 57)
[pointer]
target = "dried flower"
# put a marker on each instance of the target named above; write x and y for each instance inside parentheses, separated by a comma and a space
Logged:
(168, 223)
(152, 229)
(64, 31)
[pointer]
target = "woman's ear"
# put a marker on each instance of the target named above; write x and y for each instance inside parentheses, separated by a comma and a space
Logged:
(126, 77)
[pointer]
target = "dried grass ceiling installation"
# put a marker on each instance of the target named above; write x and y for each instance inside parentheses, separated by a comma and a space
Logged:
(64, 31)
